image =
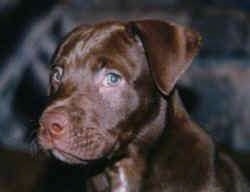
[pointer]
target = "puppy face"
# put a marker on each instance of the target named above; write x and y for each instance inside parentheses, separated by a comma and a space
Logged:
(99, 81)
(105, 88)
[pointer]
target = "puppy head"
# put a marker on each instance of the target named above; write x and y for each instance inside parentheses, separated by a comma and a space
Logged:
(106, 85)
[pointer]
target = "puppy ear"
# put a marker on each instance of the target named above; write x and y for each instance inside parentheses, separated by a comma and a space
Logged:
(169, 48)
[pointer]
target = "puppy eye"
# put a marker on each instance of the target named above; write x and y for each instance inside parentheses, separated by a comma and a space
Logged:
(55, 78)
(112, 79)
(57, 73)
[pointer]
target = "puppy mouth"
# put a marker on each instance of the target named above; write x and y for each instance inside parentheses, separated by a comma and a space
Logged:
(93, 149)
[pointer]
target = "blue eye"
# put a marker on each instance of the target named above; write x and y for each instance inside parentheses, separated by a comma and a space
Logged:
(112, 79)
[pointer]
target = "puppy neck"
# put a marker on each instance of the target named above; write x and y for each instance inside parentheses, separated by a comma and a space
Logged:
(154, 129)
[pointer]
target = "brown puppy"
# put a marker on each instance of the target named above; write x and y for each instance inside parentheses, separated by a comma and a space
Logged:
(112, 101)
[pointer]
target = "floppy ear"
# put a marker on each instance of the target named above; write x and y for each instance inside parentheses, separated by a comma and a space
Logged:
(169, 48)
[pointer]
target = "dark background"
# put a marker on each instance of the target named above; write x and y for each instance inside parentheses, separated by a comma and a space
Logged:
(216, 90)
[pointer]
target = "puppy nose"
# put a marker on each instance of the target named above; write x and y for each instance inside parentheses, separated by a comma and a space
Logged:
(54, 124)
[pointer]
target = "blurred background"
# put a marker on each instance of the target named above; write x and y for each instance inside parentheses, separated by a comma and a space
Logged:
(216, 90)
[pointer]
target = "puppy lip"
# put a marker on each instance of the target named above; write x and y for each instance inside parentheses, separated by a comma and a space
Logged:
(68, 157)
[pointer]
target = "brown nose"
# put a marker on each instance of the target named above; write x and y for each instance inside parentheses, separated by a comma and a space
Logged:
(54, 124)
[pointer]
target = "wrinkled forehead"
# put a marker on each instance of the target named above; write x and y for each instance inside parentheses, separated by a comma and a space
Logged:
(85, 40)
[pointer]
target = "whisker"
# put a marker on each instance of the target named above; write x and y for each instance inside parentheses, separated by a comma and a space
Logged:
(34, 147)
(37, 151)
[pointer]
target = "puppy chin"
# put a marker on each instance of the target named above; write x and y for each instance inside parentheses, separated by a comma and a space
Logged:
(64, 157)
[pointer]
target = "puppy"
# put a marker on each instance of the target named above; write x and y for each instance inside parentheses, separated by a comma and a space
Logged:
(114, 107)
